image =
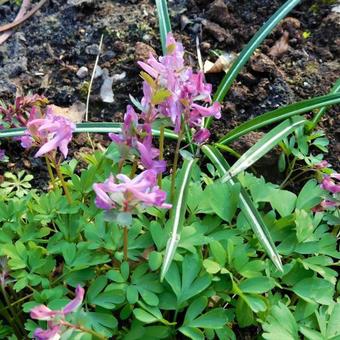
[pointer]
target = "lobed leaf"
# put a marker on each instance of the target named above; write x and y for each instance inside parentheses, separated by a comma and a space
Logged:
(247, 206)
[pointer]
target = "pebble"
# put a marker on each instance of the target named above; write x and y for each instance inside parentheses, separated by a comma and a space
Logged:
(82, 72)
(92, 49)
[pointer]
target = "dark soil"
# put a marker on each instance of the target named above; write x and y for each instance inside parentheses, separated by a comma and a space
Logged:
(46, 52)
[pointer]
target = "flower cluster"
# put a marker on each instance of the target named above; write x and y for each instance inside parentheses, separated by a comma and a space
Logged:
(127, 195)
(173, 90)
(49, 133)
(55, 318)
(331, 184)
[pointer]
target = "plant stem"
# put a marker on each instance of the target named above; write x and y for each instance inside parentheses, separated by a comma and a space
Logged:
(50, 172)
(133, 169)
(84, 329)
(175, 164)
(126, 240)
(13, 312)
(10, 321)
(161, 152)
(63, 183)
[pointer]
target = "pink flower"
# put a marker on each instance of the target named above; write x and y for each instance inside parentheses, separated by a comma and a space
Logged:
(129, 130)
(127, 194)
(201, 136)
(323, 164)
(52, 333)
(42, 312)
(50, 133)
(185, 86)
(329, 184)
(54, 318)
(148, 153)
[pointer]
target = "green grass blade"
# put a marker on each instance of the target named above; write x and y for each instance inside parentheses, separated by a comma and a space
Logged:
(316, 119)
(247, 206)
(264, 145)
(280, 114)
(90, 127)
(164, 22)
(249, 49)
(177, 214)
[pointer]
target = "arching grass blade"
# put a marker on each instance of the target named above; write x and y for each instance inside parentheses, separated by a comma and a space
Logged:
(247, 206)
(316, 119)
(279, 115)
(177, 214)
(264, 145)
(164, 21)
(249, 49)
(89, 127)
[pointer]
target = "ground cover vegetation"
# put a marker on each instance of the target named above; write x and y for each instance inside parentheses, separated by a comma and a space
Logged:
(130, 245)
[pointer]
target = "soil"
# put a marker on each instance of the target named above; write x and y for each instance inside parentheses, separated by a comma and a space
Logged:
(299, 60)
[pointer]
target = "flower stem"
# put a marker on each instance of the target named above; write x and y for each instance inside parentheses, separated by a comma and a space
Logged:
(50, 172)
(84, 329)
(63, 183)
(161, 152)
(174, 166)
(126, 240)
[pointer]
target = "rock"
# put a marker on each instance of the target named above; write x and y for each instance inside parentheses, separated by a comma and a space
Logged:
(263, 64)
(142, 51)
(118, 77)
(218, 12)
(98, 72)
(108, 55)
(92, 49)
(82, 72)
(119, 46)
(218, 32)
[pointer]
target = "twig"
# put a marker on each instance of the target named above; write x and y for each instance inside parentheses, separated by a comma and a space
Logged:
(92, 78)
(23, 9)
(24, 18)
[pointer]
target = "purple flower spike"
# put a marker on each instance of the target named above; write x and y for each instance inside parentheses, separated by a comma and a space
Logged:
(201, 136)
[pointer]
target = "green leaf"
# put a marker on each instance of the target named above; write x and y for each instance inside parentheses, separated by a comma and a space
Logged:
(214, 319)
(244, 315)
(280, 324)
(304, 225)
(264, 145)
(218, 252)
(249, 49)
(223, 199)
(160, 96)
(192, 333)
(309, 196)
(195, 309)
(144, 316)
(333, 329)
(132, 294)
(247, 206)
(211, 267)
(279, 115)
(315, 290)
(164, 22)
(155, 260)
(177, 214)
(257, 285)
(316, 119)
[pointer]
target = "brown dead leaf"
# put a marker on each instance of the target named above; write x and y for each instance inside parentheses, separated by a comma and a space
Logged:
(281, 46)
(75, 113)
